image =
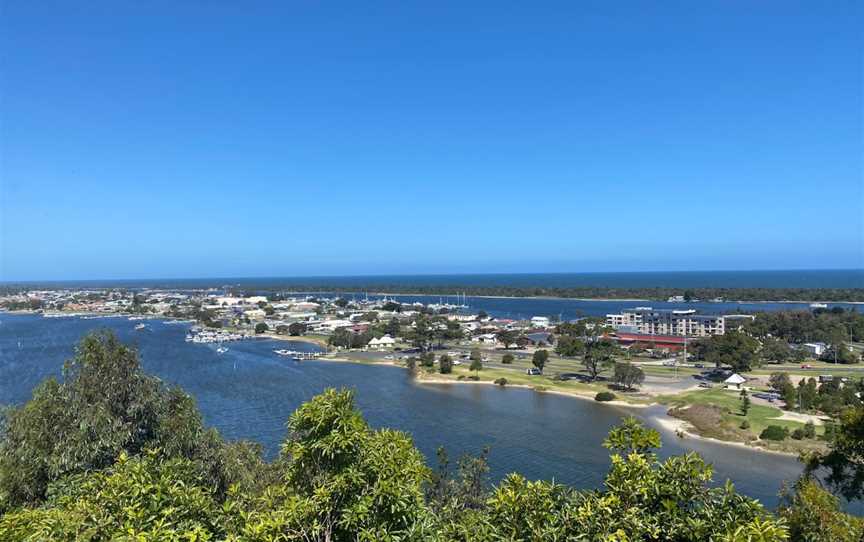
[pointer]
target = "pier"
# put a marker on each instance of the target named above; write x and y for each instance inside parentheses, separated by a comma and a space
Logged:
(298, 355)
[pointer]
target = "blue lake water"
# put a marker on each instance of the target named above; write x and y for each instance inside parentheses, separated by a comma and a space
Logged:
(249, 392)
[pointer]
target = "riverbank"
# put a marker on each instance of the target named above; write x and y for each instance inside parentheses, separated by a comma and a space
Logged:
(684, 430)
(670, 419)
(429, 378)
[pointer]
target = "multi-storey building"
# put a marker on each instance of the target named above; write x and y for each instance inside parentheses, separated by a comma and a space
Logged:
(648, 321)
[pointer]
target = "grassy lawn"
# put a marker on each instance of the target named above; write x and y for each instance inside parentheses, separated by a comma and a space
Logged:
(819, 368)
(517, 376)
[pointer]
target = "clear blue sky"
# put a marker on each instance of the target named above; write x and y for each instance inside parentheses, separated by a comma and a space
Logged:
(186, 139)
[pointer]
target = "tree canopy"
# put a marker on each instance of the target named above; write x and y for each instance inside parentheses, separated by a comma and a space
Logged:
(734, 349)
(104, 407)
(599, 355)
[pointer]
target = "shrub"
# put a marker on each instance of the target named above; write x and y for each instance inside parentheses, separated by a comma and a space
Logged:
(809, 430)
(745, 425)
(604, 396)
(774, 432)
(507, 359)
(501, 381)
(798, 434)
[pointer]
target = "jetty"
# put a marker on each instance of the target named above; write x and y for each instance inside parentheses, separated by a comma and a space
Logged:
(295, 354)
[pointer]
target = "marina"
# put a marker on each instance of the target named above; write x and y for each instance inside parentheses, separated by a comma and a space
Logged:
(205, 336)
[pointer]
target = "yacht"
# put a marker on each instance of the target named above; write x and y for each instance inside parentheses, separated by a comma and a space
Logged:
(139, 327)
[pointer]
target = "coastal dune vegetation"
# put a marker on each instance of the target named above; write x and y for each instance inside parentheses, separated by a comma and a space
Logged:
(751, 294)
(111, 453)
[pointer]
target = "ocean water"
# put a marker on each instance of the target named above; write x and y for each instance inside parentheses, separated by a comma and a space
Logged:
(249, 392)
(837, 278)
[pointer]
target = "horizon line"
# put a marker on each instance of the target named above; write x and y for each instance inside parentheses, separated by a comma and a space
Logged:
(382, 275)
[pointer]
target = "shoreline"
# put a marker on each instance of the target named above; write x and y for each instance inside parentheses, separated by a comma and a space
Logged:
(665, 420)
(677, 425)
(438, 381)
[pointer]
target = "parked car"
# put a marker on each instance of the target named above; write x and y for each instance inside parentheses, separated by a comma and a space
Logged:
(806, 366)
(706, 385)
(533, 371)
(699, 365)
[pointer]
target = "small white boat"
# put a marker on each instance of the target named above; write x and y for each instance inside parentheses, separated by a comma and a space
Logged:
(221, 349)
(139, 327)
(818, 305)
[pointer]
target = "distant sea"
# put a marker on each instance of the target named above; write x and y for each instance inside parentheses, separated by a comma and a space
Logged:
(839, 278)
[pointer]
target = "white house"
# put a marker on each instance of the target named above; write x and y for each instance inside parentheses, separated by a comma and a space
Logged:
(384, 342)
(255, 314)
(486, 338)
(816, 349)
(329, 326)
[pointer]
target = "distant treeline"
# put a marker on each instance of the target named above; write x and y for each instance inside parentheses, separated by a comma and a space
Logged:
(597, 292)
(587, 292)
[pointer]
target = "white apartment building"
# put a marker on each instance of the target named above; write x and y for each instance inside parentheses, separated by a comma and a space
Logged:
(650, 321)
(540, 321)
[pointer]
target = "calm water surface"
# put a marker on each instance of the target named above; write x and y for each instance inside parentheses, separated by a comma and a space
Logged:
(798, 278)
(249, 392)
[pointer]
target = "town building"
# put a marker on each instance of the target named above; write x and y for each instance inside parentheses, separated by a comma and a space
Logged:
(815, 349)
(672, 322)
(384, 342)
(540, 321)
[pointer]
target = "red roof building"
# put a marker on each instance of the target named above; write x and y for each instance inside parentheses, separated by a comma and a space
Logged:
(663, 341)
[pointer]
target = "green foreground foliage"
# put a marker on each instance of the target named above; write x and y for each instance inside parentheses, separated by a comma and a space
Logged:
(113, 454)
